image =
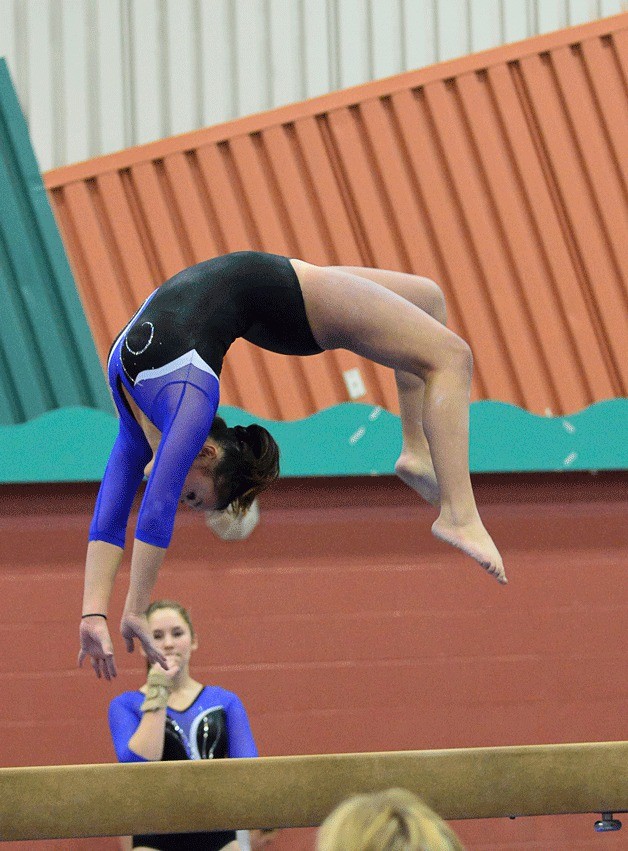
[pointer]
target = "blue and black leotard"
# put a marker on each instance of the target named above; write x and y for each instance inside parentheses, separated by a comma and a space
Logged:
(214, 726)
(168, 359)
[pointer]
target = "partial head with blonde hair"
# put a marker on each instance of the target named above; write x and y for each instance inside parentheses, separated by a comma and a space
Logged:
(393, 820)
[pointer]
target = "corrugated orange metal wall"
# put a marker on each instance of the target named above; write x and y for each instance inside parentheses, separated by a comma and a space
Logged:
(501, 175)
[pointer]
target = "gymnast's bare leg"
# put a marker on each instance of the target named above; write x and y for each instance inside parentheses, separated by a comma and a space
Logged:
(414, 465)
(355, 312)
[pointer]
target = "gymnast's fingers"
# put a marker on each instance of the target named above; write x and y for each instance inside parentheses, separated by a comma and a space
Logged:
(110, 666)
(153, 655)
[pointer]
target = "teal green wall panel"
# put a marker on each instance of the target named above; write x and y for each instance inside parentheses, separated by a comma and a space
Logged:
(66, 445)
(352, 439)
(47, 356)
(357, 439)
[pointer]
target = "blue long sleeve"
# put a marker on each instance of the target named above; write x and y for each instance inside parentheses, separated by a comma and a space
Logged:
(183, 408)
(124, 719)
(185, 416)
(241, 741)
(129, 456)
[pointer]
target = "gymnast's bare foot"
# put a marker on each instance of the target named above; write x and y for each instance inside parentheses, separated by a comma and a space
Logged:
(473, 539)
(417, 471)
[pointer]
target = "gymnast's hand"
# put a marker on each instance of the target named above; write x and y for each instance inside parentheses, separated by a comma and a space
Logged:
(95, 642)
(135, 626)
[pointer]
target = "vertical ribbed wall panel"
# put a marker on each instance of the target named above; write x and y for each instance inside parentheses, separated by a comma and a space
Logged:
(95, 76)
(47, 355)
(502, 176)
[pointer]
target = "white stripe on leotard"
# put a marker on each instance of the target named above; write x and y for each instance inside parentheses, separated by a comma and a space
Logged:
(192, 357)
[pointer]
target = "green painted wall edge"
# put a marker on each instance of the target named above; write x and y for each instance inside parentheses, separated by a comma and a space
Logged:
(352, 439)
(48, 359)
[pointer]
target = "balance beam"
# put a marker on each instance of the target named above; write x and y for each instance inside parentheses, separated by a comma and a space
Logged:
(60, 802)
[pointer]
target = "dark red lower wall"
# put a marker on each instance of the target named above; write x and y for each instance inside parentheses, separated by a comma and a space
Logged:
(344, 626)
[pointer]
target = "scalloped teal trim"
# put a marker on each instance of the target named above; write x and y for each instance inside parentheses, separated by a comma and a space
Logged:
(351, 439)
(357, 439)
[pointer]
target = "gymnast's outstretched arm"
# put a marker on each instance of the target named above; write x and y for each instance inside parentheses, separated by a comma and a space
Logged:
(145, 564)
(101, 566)
(187, 411)
(191, 412)
(124, 472)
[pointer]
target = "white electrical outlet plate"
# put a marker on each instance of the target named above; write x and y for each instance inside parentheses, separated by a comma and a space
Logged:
(354, 383)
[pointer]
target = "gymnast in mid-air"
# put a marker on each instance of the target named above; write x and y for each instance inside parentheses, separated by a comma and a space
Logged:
(164, 369)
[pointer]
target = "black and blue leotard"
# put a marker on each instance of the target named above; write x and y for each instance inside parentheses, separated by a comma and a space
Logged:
(214, 726)
(222, 710)
(168, 359)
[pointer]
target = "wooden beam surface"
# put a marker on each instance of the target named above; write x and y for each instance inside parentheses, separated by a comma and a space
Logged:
(300, 791)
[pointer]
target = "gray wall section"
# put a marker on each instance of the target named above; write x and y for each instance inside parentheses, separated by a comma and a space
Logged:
(95, 76)
(47, 355)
